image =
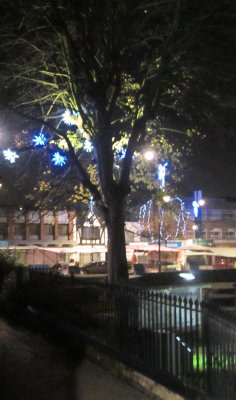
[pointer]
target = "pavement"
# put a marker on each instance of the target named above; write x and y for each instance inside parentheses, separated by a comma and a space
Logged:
(35, 368)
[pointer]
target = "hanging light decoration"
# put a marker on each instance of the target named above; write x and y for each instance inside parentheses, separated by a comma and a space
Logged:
(40, 139)
(10, 155)
(161, 174)
(145, 218)
(58, 159)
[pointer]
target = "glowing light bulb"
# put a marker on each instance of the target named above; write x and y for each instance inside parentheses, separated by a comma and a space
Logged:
(149, 155)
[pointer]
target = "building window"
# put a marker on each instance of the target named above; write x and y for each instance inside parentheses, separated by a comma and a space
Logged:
(230, 234)
(19, 231)
(204, 214)
(90, 232)
(214, 215)
(63, 229)
(48, 229)
(229, 214)
(3, 231)
(216, 233)
(204, 233)
(33, 229)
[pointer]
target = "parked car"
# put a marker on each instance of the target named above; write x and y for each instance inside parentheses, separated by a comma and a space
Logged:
(73, 270)
(96, 267)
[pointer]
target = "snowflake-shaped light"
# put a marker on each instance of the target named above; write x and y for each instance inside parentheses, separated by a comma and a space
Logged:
(10, 155)
(69, 118)
(88, 146)
(40, 139)
(58, 159)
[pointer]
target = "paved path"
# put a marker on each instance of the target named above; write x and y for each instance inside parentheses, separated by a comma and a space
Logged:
(32, 368)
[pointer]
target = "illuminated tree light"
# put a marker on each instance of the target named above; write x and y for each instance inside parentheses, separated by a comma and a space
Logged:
(91, 205)
(40, 139)
(10, 155)
(88, 146)
(161, 173)
(69, 118)
(58, 159)
(145, 217)
(195, 208)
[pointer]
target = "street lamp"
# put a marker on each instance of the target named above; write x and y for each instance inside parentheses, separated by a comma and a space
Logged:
(149, 155)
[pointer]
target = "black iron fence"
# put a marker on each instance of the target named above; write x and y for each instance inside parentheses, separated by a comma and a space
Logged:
(177, 340)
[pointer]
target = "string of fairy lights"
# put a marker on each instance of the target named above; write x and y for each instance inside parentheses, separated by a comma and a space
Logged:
(146, 211)
(146, 221)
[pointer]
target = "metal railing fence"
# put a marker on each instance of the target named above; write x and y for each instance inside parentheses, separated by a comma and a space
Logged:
(165, 336)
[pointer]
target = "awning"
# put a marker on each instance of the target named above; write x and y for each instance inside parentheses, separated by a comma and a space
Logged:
(76, 249)
(150, 247)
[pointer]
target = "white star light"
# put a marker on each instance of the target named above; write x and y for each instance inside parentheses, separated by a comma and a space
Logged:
(10, 155)
(69, 118)
(88, 146)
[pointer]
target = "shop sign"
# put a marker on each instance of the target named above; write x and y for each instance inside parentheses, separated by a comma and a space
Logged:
(173, 244)
(4, 243)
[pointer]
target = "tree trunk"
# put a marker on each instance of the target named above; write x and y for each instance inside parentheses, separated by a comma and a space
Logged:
(117, 262)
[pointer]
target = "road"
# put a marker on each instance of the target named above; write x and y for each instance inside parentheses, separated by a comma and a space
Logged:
(34, 368)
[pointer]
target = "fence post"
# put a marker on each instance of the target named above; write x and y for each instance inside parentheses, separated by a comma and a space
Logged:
(206, 332)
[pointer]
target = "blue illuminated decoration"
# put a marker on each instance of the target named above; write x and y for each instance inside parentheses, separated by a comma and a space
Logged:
(162, 174)
(195, 208)
(122, 153)
(91, 205)
(40, 139)
(58, 160)
(69, 117)
(88, 146)
(10, 155)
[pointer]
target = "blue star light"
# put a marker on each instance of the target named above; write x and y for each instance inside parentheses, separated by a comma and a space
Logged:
(58, 159)
(10, 155)
(40, 139)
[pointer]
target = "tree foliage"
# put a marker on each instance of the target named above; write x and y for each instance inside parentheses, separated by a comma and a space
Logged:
(131, 74)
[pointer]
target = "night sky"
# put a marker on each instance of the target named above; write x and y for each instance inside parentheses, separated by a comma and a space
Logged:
(212, 166)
